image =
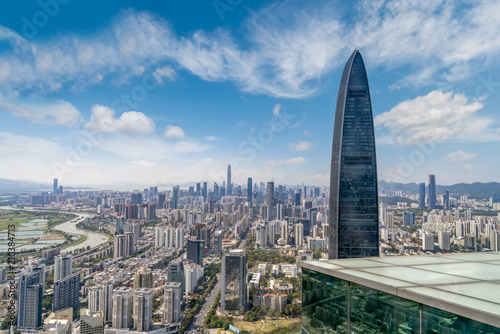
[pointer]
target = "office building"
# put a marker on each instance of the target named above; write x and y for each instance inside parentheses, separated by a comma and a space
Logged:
(456, 293)
(176, 273)
(195, 251)
(66, 292)
(233, 285)
(172, 302)
(421, 195)
(217, 246)
(143, 278)
(447, 199)
(122, 308)
(270, 200)
(353, 213)
(175, 197)
(432, 192)
(229, 184)
(55, 188)
(91, 322)
(63, 266)
(249, 191)
(30, 296)
(143, 309)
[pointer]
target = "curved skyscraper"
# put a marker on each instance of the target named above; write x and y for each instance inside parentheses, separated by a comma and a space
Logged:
(353, 215)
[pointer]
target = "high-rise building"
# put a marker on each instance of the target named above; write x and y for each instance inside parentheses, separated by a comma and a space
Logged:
(100, 299)
(143, 278)
(421, 195)
(270, 200)
(136, 198)
(447, 200)
(299, 235)
(143, 309)
(194, 251)
(179, 238)
(30, 296)
(66, 292)
(353, 210)
(169, 237)
(55, 188)
(409, 218)
(175, 196)
(229, 184)
(297, 199)
(119, 249)
(176, 273)
(217, 246)
(63, 266)
(234, 276)
(249, 190)
(122, 307)
(432, 192)
(205, 190)
(91, 322)
(172, 302)
(444, 240)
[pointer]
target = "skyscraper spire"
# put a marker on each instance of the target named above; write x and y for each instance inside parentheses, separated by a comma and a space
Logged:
(353, 215)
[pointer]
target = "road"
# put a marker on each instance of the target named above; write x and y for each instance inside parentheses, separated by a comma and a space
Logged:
(199, 319)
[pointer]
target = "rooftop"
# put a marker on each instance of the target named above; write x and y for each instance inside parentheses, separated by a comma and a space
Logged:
(466, 284)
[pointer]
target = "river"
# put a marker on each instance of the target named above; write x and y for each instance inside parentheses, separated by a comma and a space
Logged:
(94, 239)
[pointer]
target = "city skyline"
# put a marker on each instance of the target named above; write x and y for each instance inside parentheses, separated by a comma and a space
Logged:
(143, 89)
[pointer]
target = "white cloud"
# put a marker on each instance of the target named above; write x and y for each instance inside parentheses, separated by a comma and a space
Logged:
(460, 156)
(467, 168)
(173, 131)
(276, 110)
(285, 49)
(57, 112)
(164, 72)
(301, 146)
(307, 132)
(142, 163)
(436, 116)
(103, 120)
(288, 162)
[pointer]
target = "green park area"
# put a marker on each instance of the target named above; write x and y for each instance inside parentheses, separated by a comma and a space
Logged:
(269, 326)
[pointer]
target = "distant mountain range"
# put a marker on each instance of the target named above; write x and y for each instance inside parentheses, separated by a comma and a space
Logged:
(477, 189)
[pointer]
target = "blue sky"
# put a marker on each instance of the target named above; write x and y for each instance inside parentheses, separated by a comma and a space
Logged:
(141, 93)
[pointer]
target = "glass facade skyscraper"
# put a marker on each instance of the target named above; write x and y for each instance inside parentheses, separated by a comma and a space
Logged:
(234, 290)
(353, 215)
(432, 192)
(421, 195)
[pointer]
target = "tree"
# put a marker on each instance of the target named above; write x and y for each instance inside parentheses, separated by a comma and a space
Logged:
(288, 310)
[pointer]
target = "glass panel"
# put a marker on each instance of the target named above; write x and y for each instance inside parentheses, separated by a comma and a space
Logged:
(324, 303)
(373, 311)
(438, 321)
